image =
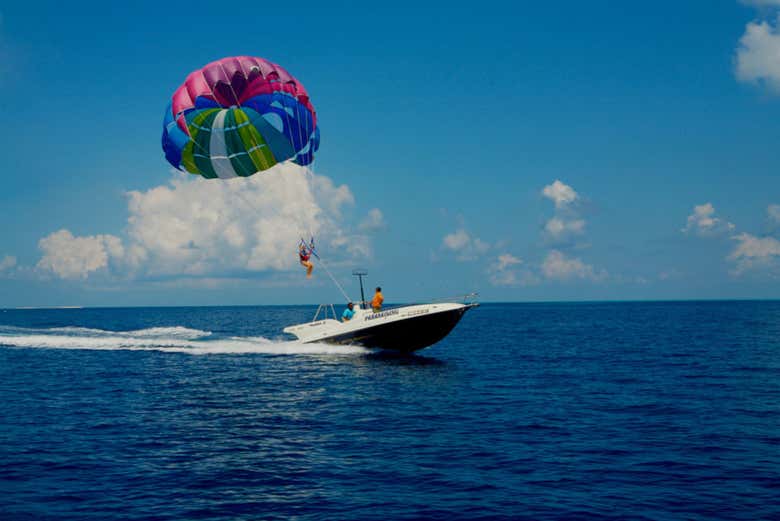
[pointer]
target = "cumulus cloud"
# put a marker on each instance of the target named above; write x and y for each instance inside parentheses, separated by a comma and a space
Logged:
(193, 227)
(774, 211)
(757, 58)
(566, 224)
(355, 245)
(560, 193)
(456, 241)
(557, 266)
(761, 3)
(506, 271)
(751, 252)
(197, 227)
(464, 245)
(506, 260)
(374, 221)
(7, 262)
(323, 190)
(71, 257)
(561, 231)
(704, 223)
(558, 227)
(754, 252)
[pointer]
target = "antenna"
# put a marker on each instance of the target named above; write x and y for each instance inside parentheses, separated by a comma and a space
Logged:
(360, 274)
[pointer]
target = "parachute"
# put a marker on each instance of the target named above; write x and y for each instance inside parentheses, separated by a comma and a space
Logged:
(239, 116)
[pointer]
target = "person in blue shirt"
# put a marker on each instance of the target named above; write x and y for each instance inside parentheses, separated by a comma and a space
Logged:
(348, 313)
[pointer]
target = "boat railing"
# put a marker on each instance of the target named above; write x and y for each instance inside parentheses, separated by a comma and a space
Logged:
(468, 298)
(327, 311)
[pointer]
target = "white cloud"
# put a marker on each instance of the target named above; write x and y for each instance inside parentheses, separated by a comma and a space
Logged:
(373, 221)
(200, 227)
(467, 247)
(558, 227)
(7, 262)
(557, 266)
(193, 227)
(506, 260)
(355, 245)
(323, 191)
(773, 210)
(503, 272)
(704, 223)
(566, 224)
(761, 3)
(754, 253)
(758, 55)
(560, 193)
(456, 241)
(71, 257)
(561, 231)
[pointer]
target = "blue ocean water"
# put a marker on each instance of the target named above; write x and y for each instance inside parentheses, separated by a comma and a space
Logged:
(667, 410)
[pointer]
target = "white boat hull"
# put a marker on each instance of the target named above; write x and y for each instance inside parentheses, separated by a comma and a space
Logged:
(405, 329)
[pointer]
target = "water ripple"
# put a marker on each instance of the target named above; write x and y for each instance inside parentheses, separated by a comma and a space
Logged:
(539, 411)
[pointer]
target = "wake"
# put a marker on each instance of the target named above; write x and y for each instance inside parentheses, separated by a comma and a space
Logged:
(176, 339)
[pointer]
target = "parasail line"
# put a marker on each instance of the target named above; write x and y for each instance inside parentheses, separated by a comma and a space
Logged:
(214, 149)
(322, 261)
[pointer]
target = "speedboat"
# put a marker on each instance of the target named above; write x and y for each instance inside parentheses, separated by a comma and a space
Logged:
(404, 329)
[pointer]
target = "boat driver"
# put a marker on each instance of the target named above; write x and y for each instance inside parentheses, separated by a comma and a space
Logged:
(348, 313)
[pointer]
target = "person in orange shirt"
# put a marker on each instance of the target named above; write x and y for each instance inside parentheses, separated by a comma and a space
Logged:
(376, 303)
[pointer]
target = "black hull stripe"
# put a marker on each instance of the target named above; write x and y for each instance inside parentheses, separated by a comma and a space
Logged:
(405, 335)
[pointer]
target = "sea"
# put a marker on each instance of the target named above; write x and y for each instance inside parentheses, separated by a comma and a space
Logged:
(529, 411)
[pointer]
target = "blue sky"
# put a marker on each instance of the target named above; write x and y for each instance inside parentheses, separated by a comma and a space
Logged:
(528, 151)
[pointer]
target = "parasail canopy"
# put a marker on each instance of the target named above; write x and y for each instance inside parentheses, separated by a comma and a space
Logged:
(239, 116)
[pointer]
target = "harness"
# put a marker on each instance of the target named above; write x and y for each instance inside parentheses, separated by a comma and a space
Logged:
(305, 251)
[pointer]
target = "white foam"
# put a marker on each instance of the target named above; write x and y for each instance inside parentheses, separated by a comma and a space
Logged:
(165, 339)
(152, 332)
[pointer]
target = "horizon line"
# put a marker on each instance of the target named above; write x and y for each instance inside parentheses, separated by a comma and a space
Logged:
(592, 301)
